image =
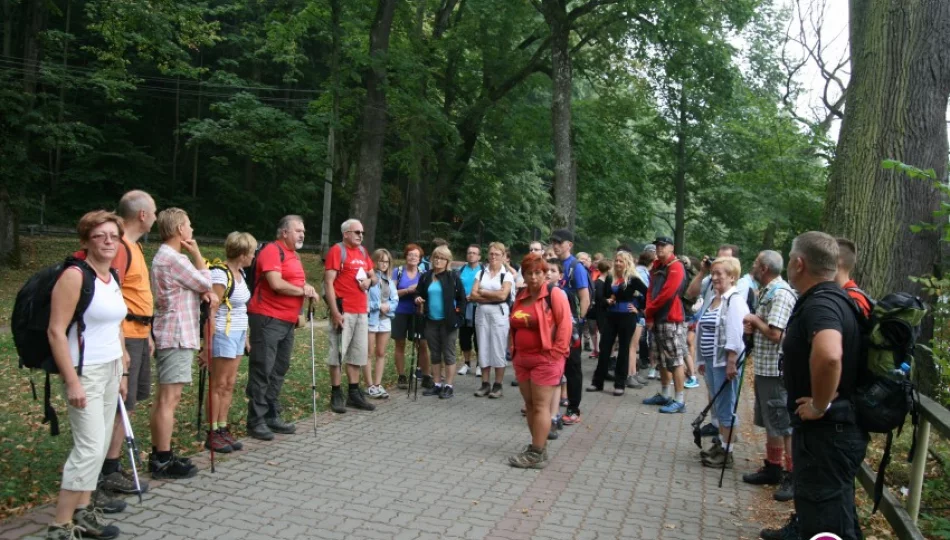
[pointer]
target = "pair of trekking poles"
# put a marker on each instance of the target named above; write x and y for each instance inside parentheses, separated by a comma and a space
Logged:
(697, 423)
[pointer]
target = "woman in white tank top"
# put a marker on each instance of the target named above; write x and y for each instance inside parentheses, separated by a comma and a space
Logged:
(92, 389)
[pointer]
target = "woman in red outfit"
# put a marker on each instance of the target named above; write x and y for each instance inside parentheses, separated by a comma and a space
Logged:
(540, 337)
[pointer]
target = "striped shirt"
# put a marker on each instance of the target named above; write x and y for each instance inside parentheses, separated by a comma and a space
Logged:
(707, 333)
(240, 296)
(177, 286)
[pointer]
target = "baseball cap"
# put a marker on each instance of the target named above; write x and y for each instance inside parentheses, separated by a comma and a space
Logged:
(650, 247)
(562, 235)
(661, 240)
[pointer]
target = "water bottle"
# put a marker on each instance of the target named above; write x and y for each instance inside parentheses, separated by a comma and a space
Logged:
(901, 373)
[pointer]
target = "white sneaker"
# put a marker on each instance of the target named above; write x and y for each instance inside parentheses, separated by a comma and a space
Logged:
(478, 371)
(383, 394)
(464, 370)
(653, 374)
(373, 391)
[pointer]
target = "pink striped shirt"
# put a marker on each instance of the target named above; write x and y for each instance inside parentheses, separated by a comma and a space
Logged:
(177, 286)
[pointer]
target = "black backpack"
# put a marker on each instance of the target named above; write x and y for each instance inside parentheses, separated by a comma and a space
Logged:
(250, 273)
(885, 394)
(31, 313)
(571, 290)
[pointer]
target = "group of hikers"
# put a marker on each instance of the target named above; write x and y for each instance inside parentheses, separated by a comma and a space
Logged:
(675, 318)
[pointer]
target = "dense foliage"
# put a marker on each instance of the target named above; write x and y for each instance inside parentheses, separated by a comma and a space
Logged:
(224, 107)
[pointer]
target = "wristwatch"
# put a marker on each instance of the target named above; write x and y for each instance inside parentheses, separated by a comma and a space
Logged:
(818, 411)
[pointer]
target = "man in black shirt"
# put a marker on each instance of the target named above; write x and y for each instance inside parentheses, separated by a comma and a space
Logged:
(821, 354)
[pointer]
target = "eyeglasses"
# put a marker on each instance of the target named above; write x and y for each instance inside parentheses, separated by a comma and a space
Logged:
(357, 232)
(99, 237)
(437, 258)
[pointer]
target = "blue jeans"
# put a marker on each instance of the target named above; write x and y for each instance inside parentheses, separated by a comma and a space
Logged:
(826, 457)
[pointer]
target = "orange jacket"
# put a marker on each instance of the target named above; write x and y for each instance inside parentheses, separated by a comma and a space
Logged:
(555, 324)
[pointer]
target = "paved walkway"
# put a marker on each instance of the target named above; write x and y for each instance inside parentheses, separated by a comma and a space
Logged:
(437, 469)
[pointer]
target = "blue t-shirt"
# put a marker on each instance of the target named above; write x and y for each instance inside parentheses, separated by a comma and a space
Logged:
(619, 307)
(467, 274)
(579, 280)
(406, 304)
(436, 302)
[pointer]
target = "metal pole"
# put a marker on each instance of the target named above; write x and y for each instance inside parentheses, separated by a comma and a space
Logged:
(917, 469)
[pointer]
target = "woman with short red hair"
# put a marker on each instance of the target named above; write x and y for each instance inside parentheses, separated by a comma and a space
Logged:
(406, 324)
(540, 338)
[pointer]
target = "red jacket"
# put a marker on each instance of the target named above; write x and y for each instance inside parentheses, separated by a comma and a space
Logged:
(664, 297)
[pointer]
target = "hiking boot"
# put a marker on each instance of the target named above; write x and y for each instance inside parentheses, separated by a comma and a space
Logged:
(277, 425)
(788, 532)
(673, 407)
(67, 531)
(717, 461)
(594, 388)
(92, 525)
(634, 382)
(786, 491)
(433, 391)
(357, 400)
(484, 390)
(715, 449)
(495, 391)
(215, 441)
(174, 467)
(226, 433)
(657, 399)
(260, 432)
(121, 481)
(337, 401)
(709, 430)
(571, 417)
(402, 383)
(769, 474)
(428, 382)
(464, 369)
(108, 504)
(531, 458)
(447, 392)
(553, 435)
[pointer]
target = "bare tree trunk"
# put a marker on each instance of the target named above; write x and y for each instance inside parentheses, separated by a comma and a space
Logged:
(565, 185)
(679, 233)
(9, 236)
(896, 109)
(331, 136)
(175, 149)
(7, 28)
(365, 206)
(194, 163)
(56, 169)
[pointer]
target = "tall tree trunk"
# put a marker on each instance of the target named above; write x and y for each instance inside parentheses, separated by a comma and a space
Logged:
(7, 6)
(37, 12)
(365, 206)
(331, 135)
(56, 169)
(565, 185)
(897, 103)
(679, 233)
(175, 148)
(194, 163)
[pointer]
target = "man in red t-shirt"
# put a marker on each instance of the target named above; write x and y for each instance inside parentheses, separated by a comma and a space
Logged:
(348, 275)
(280, 287)
(847, 259)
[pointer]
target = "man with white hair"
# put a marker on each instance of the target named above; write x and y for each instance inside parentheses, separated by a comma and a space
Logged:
(775, 303)
(348, 275)
(280, 287)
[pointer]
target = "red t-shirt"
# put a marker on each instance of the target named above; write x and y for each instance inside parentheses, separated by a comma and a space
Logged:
(858, 298)
(528, 342)
(265, 301)
(355, 299)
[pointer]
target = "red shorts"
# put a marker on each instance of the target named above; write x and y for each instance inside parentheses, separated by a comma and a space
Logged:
(539, 369)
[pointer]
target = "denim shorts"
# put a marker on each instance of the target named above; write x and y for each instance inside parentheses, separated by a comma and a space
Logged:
(231, 346)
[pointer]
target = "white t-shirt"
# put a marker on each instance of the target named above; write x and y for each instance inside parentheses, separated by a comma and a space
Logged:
(239, 299)
(494, 282)
(103, 319)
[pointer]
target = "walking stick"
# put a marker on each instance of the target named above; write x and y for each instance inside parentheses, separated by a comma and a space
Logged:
(202, 375)
(130, 442)
(313, 368)
(698, 422)
(412, 369)
(735, 409)
(209, 333)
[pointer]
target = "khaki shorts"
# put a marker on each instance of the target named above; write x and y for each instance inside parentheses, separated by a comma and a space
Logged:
(669, 344)
(174, 365)
(355, 336)
(771, 406)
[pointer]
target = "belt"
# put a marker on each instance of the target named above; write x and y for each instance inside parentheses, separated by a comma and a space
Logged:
(144, 320)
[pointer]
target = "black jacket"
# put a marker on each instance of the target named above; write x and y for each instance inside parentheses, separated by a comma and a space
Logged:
(635, 290)
(453, 294)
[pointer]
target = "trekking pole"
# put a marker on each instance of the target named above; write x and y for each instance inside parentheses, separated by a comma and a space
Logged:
(209, 333)
(313, 368)
(735, 409)
(130, 442)
(698, 422)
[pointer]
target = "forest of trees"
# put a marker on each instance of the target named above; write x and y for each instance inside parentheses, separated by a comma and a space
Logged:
(474, 120)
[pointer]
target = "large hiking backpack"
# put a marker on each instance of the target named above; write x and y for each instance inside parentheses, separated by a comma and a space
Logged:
(218, 264)
(885, 394)
(31, 313)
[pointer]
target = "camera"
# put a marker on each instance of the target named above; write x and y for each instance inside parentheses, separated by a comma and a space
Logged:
(708, 261)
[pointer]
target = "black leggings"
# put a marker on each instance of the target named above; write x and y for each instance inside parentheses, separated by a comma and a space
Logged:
(617, 325)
